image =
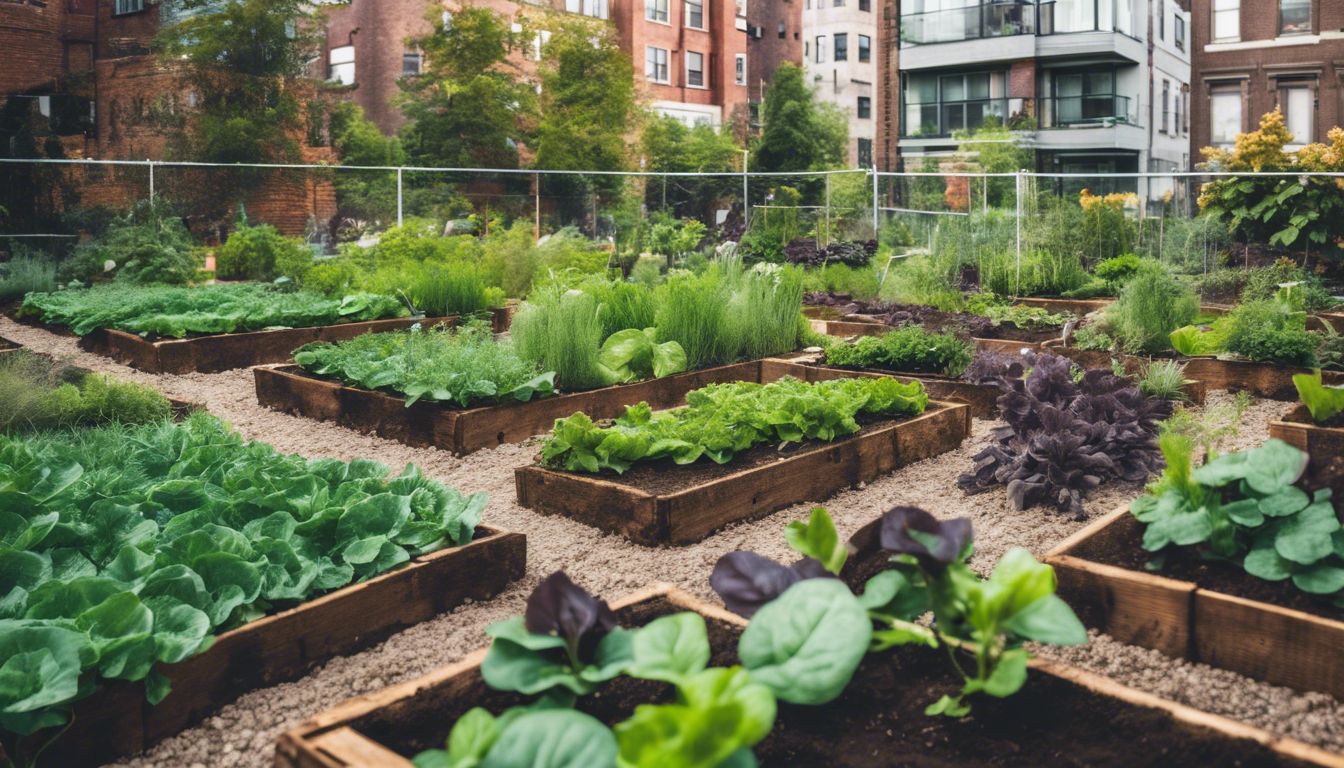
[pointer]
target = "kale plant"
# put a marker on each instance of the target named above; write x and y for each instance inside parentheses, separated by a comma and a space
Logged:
(1065, 436)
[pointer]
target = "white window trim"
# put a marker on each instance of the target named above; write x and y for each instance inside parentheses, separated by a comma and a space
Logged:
(704, 14)
(120, 3)
(704, 74)
(668, 66)
(665, 22)
(740, 65)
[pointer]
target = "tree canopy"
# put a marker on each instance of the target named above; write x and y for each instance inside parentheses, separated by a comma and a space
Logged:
(798, 133)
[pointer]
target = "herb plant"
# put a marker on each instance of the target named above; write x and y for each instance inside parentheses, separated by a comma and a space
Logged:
(910, 349)
(1151, 305)
(1246, 508)
(465, 366)
(260, 252)
(1065, 436)
(1164, 379)
(722, 420)
(176, 312)
(560, 330)
(808, 632)
(1271, 331)
(129, 548)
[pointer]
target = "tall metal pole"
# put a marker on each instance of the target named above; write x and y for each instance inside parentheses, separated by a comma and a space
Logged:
(401, 198)
(828, 211)
(151, 181)
(536, 209)
(746, 193)
(1017, 184)
(984, 194)
(876, 231)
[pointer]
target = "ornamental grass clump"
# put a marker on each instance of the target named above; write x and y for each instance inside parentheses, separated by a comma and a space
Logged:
(37, 394)
(560, 330)
(1066, 435)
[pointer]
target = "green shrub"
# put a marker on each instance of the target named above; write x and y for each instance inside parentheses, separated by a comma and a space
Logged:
(1090, 337)
(36, 394)
(1043, 273)
(763, 311)
(145, 246)
(1330, 352)
(561, 330)
(1118, 269)
(910, 349)
(675, 239)
(1164, 379)
(1151, 305)
(922, 280)
(625, 305)
(857, 282)
(1271, 332)
(458, 289)
(1306, 291)
(25, 274)
(255, 253)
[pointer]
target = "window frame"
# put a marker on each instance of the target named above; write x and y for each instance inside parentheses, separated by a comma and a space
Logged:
(686, 61)
(865, 49)
(840, 46)
(863, 108)
(1161, 19)
(740, 69)
(1310, 20)
(694, 4)
(1282, 88)
(419, 63)
(1178, 32)
(141, 5)
(334, 66)
(653, 9)
(1166, 107)
(1234, 12)
(651, 65)
(1225, 91)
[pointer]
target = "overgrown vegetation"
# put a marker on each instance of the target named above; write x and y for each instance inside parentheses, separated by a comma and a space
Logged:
(37, 394)
(910, 349)
(1151, 305)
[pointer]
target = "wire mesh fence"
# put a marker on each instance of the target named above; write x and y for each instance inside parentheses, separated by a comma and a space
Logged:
(1010, 232)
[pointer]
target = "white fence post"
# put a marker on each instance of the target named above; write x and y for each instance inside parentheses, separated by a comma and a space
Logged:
(151, 180)
(401, 218)
(1017, 184)
(876, 220)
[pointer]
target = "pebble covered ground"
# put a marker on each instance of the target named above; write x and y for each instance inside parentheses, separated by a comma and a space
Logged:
(243, 732)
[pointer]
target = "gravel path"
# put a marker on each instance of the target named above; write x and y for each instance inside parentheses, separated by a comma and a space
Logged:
(243, 733)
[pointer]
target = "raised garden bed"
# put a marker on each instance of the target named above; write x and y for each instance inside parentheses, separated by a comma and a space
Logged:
(1324, 444)
(7, 346)
(1203, 611)
(117, 721)
(226, 351)
(661, 503)
(982, 398)
(1079, 307)
(1062, 715)
(464, 430)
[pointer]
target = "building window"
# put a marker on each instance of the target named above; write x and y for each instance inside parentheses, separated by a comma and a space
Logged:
(865, 153)
(1180, 33)
(123, 7)
(1294, 17)
(740, 69)
(599, 9)
(842, 46)
(655, 64)
(411, 64)
(781, 30)
(341, 65)
(865, 107)
(695, 15)
(821, 49)
(695, 69)
(1161, 19)
(839, 3)
(656, 10)
(1166, 106)
(1297, 103)
(866, 5)
(1226, 20)
(1224, 116)
(865, 48)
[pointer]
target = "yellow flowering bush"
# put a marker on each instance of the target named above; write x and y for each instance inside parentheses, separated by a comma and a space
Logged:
(1278, 210)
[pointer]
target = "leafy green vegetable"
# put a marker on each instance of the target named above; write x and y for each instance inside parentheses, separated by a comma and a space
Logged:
(633, 355)
(910, 349)
(556, 738)
(1324, 403)
(177, 312)
(1246, 507)
(466, 366)
(1200, 341)
(722, 420)
(125, 549)
(718, 713)
(818, 539)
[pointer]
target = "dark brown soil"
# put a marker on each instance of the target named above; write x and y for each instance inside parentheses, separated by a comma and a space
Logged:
(880, 720)
(666, 477)
(1336, 423)
(1125, 550)
(937, 321)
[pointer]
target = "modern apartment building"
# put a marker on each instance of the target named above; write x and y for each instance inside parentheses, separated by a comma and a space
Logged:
(839, 54)
(1254, 55)
(1093, 86)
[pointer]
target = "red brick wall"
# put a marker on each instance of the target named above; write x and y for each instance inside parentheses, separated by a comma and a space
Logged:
(30, 37)
(383, 29)
(1256, 69)
(766, 54)
(886, 153)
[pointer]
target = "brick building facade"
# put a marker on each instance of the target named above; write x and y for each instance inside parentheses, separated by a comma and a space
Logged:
(774, 36)
(1251, 57)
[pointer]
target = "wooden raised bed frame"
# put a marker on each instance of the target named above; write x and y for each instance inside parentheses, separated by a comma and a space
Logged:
(226, 351)
(1325, 446)
(333, 739)
(464, 430)
(691, 514)
(7, 346)
(116, 720)
(1257, 639)
(845, 329)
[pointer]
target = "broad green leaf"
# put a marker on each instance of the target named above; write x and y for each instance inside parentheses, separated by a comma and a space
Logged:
(1320, 579)
(1048, 620)
(818, 539)
(1305, 537)
(670, 648)
(553, 739)
(1009, 675)
(805, 645)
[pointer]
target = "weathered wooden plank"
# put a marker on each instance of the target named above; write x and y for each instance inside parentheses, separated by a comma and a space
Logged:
(117, 720)
(1266, 642)
(691, 514)
(1325, 446)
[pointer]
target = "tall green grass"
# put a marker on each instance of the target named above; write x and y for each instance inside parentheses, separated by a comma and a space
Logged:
(1151, 305)
(455, 289)
(560, 330)
(693, 311)
(24, 274)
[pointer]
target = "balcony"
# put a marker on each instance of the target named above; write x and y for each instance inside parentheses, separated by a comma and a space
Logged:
(1084, 111)
(1000, 18)
(940, 120)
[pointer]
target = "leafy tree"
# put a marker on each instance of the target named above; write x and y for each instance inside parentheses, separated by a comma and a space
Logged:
(1278, 210)
(358, 142)
(243, 59)
(798, 134)
(994, 148)
(470, 106)
(669, 146)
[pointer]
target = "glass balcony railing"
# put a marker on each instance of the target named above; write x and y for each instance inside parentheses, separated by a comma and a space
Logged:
(990, 19)
(998, 18)
(1096, 109)
(942, 119)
